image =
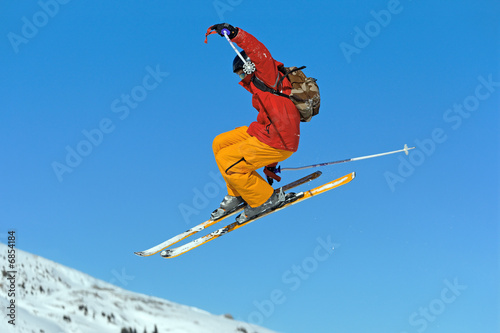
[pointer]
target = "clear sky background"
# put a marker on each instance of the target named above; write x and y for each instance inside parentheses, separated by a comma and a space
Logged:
(416, 238)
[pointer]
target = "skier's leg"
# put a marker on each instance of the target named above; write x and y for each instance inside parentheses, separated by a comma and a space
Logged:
(233, 199)
(224, 140)
(238, 164)
(229, 138)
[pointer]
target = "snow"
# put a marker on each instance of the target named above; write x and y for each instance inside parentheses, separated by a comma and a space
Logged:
(52, 298)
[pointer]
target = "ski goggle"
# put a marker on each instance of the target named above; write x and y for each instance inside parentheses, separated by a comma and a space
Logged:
(242, 75)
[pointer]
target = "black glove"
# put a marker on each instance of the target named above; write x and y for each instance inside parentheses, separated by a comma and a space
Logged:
(270, 172)
(219, 28)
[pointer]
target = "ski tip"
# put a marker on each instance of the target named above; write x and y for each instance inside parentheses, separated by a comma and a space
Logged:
(140, 254)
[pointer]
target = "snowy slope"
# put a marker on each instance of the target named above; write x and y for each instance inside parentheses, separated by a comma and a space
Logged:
(52, 298)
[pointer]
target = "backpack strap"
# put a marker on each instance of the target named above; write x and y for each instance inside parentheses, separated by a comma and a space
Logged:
(259, 84)
(288, 73)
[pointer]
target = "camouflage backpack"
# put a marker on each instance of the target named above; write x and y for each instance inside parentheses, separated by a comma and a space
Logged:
(304, 94)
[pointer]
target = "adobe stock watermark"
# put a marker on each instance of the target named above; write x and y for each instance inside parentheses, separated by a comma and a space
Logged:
(364, 35)
(31, 26)
(223, 6)
(291, 280)
(122, 107)
(453, 116)
(421, 319)
(202, 197)
(122, 277)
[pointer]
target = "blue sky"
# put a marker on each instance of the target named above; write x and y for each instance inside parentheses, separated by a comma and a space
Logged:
(132, 89)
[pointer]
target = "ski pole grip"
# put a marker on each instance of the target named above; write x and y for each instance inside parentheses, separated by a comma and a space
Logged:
(225, 31)
(271, 174)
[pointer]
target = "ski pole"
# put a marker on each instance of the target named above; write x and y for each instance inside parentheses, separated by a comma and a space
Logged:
(405, 149)
(226, 33)
(248, 67)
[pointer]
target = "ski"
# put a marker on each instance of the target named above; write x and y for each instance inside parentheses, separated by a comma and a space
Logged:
(208, 223)
(291, 199)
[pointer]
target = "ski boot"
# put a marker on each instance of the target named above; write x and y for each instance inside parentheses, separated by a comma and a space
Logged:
(228, 205)
(275, 201)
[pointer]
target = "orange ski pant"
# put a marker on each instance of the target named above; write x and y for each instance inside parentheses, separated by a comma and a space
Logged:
(238, 156)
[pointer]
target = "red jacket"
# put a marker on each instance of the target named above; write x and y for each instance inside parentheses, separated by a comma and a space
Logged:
(278, 121)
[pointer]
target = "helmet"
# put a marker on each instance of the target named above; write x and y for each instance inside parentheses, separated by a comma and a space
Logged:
(238, 63)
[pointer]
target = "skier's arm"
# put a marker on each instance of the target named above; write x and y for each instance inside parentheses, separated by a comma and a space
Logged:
(265, 65)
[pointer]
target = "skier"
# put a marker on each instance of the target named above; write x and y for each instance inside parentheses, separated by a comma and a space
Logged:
(272, 138)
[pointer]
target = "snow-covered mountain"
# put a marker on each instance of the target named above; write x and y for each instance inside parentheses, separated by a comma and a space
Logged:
(52, 298)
